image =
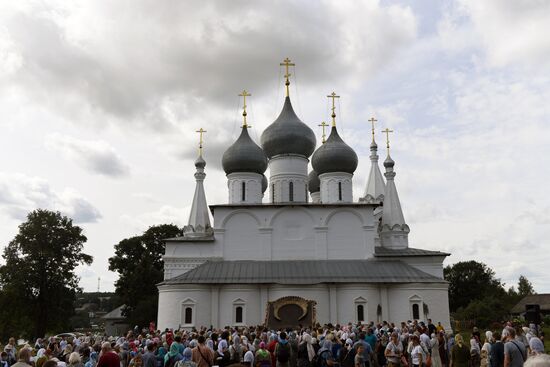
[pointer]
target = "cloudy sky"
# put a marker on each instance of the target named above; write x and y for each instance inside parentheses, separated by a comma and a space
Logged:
(99, 101)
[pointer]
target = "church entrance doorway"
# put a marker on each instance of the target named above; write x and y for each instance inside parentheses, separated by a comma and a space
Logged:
(290, 312)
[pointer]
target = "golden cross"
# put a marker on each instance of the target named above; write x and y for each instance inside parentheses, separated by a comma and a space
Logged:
(200, 131)
(372, 121)
(387, 132)
(244, 94)
(286, 62)
(333, 96)
(323, 125)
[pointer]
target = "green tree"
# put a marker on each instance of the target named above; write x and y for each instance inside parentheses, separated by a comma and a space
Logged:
(525, 288)
(469, 281)
(38, 281)
(138, 261)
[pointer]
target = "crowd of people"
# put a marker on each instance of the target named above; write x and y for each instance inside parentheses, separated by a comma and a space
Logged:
(409, 344)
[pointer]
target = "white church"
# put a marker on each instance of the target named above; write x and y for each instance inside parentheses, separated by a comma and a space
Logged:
(307, 252)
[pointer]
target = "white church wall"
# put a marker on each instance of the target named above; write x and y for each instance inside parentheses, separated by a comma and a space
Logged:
(173, 300)
(242, 237)
(246, 296)
(345, 234)
(293, 235)
(294, 232)
(434, 296)
(350, 296)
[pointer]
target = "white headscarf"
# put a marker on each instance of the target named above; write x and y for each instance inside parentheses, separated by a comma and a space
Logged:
(306, 338)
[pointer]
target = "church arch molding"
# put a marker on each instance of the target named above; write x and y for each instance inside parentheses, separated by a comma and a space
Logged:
(282, 210)
(343, 210)
(240, 211)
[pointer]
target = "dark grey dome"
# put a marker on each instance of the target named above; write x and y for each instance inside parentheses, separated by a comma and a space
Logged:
(334, 156)
(389, 162)
(264, 183)
(313, 183)
(244, 156)
(200, 162)
(288, 135)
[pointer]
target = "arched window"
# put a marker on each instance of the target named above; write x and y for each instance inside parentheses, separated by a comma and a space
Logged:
(188, 318)
(272, 193)
(291, 191)
(339, 191)
(239, 314)
(243, 191)
(360, 313)
(416, 311)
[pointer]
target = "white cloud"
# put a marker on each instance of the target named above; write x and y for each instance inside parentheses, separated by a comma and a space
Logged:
(508, 32)
(21, 194)
(166, 214)
(97, 156)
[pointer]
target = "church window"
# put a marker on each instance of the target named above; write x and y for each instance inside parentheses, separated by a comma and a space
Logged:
(188, 312)
(243, 191)
(188, 319)
(291, 191)
(238, 314)
(360, 313)
(360, 309)
(339, 191)
(239, 308)
(416, 311)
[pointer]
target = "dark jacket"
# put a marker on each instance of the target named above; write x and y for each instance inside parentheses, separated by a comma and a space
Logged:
(497, 354)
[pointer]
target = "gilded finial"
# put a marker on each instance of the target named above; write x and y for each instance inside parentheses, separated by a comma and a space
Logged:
(372, 121)
(200, 131)
(387, 132)
(333, 96)
(286, 62)
(323, 125)
(244, 94)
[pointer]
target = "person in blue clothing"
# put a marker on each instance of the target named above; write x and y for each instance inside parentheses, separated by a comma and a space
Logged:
(367, 351)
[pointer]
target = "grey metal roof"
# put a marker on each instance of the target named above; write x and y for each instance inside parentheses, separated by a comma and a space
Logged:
(388, 252)
(303, 272)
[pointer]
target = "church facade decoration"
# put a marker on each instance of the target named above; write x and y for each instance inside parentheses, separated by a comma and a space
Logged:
(295, 248)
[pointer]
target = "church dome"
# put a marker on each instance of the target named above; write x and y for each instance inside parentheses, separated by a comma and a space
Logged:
(288, 135)
(313, 183)
(264, 183)
(244, 156)
(200, 162)
(334, 156)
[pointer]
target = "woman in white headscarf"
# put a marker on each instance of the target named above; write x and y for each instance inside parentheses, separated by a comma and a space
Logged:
(306, 352)
(486, 349)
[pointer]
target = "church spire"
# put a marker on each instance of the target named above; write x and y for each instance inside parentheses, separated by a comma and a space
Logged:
(393, 230)
(374, 190)
(199, 218)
